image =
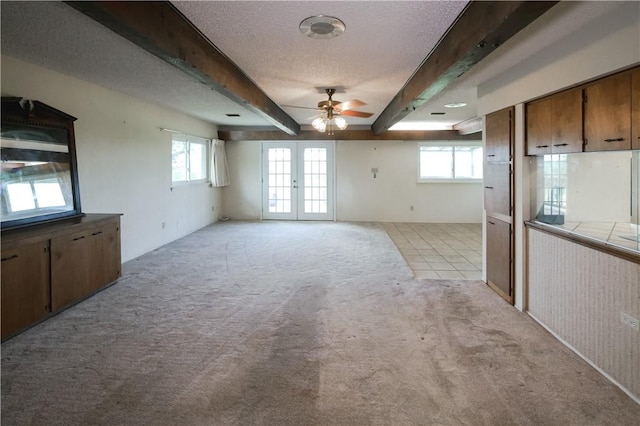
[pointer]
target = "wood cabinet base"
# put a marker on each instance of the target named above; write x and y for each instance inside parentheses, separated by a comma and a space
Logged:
(47, 268)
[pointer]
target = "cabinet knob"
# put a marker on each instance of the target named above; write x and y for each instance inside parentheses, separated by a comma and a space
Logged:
(614, 140)
(491, 223)
(542, 146)
(4, 259)
(489, 187)
(561, 144)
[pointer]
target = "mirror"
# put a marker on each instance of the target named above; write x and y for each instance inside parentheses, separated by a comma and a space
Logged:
(39, 178)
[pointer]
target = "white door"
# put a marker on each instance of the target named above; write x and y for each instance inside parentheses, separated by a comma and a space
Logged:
(297, 180)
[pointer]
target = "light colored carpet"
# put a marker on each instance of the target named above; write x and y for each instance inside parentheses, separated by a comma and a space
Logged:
(281, 323)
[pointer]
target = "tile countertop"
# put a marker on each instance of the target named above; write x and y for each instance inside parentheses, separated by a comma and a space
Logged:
(621, 234)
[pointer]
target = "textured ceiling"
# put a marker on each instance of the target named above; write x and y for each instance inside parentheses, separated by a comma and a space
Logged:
(384, 43)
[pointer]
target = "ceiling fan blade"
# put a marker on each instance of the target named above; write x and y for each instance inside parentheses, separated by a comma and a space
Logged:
(352, 104)
(301, 107)
(356, 114)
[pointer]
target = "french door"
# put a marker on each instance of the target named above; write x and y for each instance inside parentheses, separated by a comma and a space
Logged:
(297, 180)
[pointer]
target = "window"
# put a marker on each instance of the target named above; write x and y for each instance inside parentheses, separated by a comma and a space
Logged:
(450, 162)
(188, 159)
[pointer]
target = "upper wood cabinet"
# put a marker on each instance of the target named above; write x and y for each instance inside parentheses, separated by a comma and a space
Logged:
(607, 118)
(499, 135)
(554, 124)
(635, 109)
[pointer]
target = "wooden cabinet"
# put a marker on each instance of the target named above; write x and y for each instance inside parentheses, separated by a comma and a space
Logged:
(50, 267)
(607, 120)
(497, 189)
(25, 286)
(498, 200)
(635, 109)
(499, 136)
(500, 257)
(554, 124)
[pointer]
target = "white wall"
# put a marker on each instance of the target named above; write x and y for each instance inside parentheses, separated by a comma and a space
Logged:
(359, 196)
(124, 160)
(388, 197)
(242, 199)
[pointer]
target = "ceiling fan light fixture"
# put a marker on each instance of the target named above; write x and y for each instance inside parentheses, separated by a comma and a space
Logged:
(320, 124)
(341, 123)
(322, 27)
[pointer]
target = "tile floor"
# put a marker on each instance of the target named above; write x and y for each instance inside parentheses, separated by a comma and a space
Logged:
(440, 250)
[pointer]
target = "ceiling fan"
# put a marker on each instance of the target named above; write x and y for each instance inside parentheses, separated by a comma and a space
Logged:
(331, 112)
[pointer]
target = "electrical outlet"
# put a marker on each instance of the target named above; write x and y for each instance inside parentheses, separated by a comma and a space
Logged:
(630, 321)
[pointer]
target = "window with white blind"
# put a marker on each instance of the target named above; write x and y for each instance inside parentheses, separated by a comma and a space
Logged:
(450, 162)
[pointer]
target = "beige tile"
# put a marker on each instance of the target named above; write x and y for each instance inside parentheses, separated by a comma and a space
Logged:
(464, 266)
(449, 275)
(434, 258)
(426, 274)
(420, 266)
(446, 250)
(427, 252)
(472, 275)
(441, 266)
(454, 258)
(414, 259)
(409, 252)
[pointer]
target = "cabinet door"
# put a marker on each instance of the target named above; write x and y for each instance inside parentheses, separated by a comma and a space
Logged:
(499, 259)
(539, 128)
(635, 109)
(497, 188)
(111, 251)
(499, 135)
(71, 273)
(607, 124)
(566, 124)
(25, 286)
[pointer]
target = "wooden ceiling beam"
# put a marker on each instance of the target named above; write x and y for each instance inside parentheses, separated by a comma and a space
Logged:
(481, 28)
(159, 28)
(261, 134)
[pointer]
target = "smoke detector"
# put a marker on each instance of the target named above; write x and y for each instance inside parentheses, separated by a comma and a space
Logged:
(322, 27)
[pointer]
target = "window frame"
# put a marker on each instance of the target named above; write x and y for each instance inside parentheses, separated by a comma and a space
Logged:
(188, 140)
(453, 145)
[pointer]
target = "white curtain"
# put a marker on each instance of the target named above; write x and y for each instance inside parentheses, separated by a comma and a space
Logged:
(219, 169)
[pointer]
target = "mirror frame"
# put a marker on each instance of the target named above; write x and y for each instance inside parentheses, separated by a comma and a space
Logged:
(19, 111)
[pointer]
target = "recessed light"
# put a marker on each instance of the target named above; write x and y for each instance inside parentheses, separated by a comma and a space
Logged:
(322, 27)
(456, 105)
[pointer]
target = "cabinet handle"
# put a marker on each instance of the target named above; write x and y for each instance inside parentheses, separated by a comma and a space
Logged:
(79, 238)
(614, 140)
(491, 155)
(489, 187)
(97, 233)
(542, 146)
(10, 257)
(492, 223)
(561, 144)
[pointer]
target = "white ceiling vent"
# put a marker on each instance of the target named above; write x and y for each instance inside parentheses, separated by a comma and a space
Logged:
(322, 26)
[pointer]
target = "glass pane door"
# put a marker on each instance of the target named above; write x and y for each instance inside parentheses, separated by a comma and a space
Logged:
(297, 180)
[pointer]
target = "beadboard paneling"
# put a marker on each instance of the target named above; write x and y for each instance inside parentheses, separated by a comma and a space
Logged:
(578, 293)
